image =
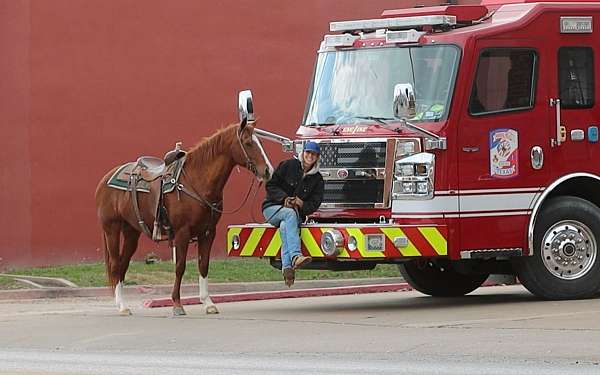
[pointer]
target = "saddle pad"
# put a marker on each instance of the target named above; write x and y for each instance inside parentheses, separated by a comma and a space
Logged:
(120, 179)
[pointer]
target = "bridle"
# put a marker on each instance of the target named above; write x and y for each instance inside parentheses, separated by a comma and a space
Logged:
(218, 206)
(249, 163)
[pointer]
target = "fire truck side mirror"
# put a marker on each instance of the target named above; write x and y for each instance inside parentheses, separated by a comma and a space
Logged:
(404, 101)
(245, 106)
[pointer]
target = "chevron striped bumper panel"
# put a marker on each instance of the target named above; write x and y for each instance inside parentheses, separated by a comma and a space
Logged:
(359, 241)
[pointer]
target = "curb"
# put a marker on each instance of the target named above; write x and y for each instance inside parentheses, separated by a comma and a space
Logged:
(53, 293)
(189, 289)
(232, 292)
(298, 293)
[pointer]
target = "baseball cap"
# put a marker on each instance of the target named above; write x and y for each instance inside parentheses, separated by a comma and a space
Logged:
(312, 146)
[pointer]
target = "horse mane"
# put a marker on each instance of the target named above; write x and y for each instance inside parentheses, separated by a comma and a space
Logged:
(208, 148)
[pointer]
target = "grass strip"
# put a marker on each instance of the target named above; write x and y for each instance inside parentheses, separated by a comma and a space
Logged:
(7, 283)
(228, 270)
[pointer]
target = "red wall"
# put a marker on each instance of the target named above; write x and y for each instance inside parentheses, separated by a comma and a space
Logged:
(87, 85)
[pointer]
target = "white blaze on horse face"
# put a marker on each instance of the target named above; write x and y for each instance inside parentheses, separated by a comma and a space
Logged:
(264, 154)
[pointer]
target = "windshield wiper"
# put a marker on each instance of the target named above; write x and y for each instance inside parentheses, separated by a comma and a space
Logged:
(381, 120)
(315, 124)
(326, 126)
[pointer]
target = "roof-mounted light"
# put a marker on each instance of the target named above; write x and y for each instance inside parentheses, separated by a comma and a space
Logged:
(403, 36)
(341, 40)
(393, 23)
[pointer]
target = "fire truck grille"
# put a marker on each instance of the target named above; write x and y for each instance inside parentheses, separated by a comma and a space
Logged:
(353, 192)
(353, 173)
(353, 155)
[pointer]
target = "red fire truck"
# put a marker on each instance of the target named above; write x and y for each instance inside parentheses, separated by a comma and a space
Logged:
(457, 141)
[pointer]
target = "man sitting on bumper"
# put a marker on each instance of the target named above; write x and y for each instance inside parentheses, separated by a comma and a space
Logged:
(295, 191)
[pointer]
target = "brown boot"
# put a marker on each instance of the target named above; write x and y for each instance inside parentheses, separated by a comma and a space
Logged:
(301, 261)
(289, 275)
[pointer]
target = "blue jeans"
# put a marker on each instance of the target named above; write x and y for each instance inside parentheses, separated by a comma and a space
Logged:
(287, 221)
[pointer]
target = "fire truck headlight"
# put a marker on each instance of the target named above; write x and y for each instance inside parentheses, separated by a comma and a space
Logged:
(407, 170)
(408, 187)
(421, 169)
(404, 170)
(414, 177)
(422, 187)
(332, 241)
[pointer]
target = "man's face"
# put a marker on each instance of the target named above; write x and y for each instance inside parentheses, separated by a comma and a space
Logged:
(310, 157)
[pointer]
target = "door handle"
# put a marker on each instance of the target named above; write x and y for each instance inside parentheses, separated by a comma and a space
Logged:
(560, 130)
(470, 149)
(537, 157)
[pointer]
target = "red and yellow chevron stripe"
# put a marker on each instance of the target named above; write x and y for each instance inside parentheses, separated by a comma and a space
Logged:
(260, 240)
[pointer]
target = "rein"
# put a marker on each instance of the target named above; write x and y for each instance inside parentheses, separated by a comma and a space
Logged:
(217, 206)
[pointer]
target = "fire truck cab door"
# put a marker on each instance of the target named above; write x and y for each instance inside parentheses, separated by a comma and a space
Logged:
(574, 120)
(503, 137)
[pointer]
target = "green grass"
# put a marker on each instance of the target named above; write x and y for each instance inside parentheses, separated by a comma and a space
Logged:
(9, 283)
(229, 270)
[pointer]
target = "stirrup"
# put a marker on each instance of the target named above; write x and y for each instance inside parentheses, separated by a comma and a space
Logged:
(156, 232)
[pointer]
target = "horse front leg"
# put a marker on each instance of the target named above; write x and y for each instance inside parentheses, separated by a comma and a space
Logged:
(182, 239)
(204, 245)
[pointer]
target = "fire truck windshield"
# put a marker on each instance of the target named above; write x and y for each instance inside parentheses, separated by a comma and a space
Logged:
(352, 86)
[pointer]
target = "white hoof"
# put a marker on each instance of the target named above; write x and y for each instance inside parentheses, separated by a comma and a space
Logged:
(124, 311)
(178, 311)
(212, 309)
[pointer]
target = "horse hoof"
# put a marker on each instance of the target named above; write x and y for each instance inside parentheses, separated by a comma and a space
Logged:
(178, 311)
(125, 312)
(212, 309)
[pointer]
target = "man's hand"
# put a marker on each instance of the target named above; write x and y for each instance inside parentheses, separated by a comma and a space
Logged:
(298, 202)
(288, 202)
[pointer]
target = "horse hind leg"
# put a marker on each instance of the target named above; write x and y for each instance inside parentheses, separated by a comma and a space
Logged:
(130, 243)
(204, 246)
(112, 238)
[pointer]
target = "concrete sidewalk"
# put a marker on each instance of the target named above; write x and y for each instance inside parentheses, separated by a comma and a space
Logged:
(154, 291)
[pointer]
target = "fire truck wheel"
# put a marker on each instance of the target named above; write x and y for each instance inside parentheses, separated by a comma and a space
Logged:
(438, 281)
(565, 262)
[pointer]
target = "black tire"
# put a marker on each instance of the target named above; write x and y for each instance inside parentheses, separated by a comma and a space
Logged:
(431, 279)
(544, 273)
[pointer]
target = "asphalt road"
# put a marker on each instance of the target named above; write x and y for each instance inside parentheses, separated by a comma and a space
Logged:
(496, 330)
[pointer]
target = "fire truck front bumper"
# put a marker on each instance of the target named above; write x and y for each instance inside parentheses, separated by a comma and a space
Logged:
(342, 241)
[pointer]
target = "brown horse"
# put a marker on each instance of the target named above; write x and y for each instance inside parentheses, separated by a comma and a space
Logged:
(193, 215)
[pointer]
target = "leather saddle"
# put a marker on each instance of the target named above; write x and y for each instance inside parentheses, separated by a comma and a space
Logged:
(150, 168)
(151, 175)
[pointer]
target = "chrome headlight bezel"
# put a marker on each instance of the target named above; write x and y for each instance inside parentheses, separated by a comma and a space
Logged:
(414, 177)
(332, 242)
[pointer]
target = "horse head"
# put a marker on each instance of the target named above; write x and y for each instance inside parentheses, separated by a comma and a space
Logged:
(249, 152)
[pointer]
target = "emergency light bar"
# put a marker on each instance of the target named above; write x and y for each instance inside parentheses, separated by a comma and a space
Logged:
(403, 36)
(341, 40)
(393, 23)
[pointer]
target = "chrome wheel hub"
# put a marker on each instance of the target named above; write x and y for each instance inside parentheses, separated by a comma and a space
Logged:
(569, 249)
